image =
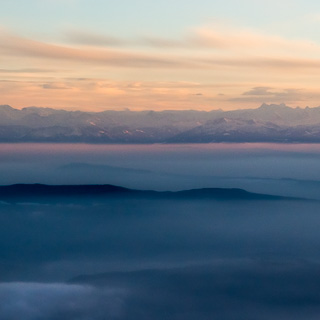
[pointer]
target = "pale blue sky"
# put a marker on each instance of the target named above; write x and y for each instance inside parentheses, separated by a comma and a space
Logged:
(292, 19)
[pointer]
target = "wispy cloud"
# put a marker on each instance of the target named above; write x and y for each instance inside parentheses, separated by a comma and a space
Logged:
(28, 70)
(237, 50)
(84, 37)
(15, 45)
(259, 91)
(220, 62)
(216, 37)
(272, 95)
(233, 38)
(55, 86)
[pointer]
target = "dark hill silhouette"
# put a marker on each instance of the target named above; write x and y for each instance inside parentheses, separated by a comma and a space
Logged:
(40, 192)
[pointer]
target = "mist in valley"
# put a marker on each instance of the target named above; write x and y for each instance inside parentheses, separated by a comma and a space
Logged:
(143, 258)
(281, 169)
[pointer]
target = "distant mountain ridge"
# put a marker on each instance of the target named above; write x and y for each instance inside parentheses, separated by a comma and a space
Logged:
(268, 123)
(41, 192)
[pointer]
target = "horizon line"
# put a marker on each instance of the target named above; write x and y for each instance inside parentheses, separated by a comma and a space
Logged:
(263, 104)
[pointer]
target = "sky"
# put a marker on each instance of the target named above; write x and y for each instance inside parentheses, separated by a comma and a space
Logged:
(152, 55)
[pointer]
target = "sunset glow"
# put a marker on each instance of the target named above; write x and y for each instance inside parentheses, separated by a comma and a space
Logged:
(201, 56)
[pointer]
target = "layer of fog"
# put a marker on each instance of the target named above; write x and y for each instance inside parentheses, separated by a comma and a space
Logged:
(230, 291)
(292, 170)
(57, 242)
(33, 301)
(151, 259)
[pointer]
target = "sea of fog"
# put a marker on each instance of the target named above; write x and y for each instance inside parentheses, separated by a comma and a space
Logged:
(180, 259)
(282, 169)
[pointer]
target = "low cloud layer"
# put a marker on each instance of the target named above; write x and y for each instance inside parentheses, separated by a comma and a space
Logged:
(230, 291)
(35, 301)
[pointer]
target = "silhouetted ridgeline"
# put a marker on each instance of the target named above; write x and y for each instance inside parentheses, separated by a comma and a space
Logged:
(40, 192)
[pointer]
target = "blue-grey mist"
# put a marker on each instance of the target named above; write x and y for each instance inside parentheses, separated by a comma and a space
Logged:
(134, 258)
(283, 169)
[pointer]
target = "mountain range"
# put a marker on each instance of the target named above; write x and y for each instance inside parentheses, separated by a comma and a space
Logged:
(268, 123)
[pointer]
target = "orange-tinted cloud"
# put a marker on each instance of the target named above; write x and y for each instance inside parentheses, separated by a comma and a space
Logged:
(23, 47)
(205, 69)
